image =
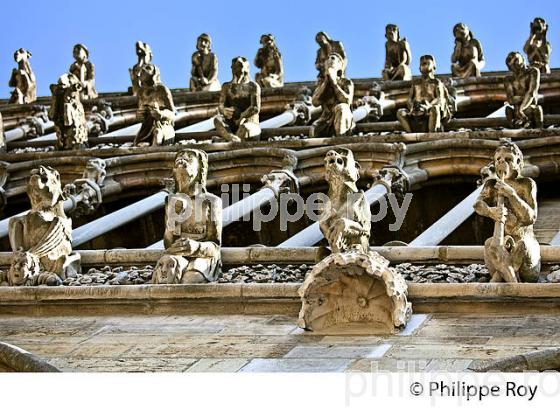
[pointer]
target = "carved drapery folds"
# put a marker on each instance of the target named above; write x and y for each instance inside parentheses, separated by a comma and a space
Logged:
(352, 290)
(41, 240)
(67, 113)
(193, 225)
(23, 79)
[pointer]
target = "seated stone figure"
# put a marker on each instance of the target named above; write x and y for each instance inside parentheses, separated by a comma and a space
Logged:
(155, 109)
(397, 56)
(144, 53)
(428, 101)
(327, 46)
(467, 59)
(537, 47)
(239, 106)
(269, 61)
(23, 79)
(193, 225)
(522, 90)
(84, 70)
(346, 219)
(512, 254)
(204, 71)
(42, 239)
(334, 93)
(67, 113)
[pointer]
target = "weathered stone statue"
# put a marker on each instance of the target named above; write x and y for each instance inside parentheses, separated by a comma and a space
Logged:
(144, 53)
(334, 93)
(42, 239)
(23, 79)
(193, 225)
(326, 48)
(240, 104)
(353, 289)
(67, 113)
(84, 70)
(467, 59)
(204, 71)
(2, 136)
(346, 220)
(522, 90)
(512, 254)
(537, 46)
(156, 109)
(397, 56)
(269, 61)
(428, 101)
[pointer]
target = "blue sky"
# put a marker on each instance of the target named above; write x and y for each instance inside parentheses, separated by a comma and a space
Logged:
(111, 28)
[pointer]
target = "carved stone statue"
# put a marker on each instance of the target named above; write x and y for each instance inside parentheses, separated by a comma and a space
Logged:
(204, 71)
(144, 53)
(512, 254)
(67, 113)
(467, 59)
(346, 220)
(397, 56)
(334, 93)
(193, 225)
(240, 104)
(522, 90)
(537, 47)
(23, 79)
(84, 70)
(156, 110)
(42, 239)
(269, 61)
(327, 46)
(428, 101)
(353, 289)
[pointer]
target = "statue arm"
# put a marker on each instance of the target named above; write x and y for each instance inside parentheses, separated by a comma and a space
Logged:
(213, 74)
(318, 93)
(13, 78)
(479, 49)
(528, 44)
(525, 210)
(510, 95)
(255, 106)
(407, 54)
(481, 205)
(531, 95)
(90, 72)
(258, 58)
(456, 51)
(223, 98)
(318, 61)
(387, 62)
(411, 97)
(15, 229)
(344, 93)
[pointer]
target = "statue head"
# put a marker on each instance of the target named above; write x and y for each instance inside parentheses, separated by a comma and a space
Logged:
(322, 38)
(515, 62)
(23, 268)
(149, 75)
(190, 169)
(169, 270)
(427, 64)
(334, 61)
(508, 160)
(268, 41)
(392, 32)
(539, 26)
(341, 166)
(44, 188)
(80, 53)
(95, 170)
(240, 69)
(143, 51)
(204, 43)
(462, 32)
(21, 54)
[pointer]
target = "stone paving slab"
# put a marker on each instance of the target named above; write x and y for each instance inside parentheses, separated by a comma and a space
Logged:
(267, 343)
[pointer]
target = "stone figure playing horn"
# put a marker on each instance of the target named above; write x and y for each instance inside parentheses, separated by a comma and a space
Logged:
(512, 254)
(193, 225)
(144, 53)
(537, 47)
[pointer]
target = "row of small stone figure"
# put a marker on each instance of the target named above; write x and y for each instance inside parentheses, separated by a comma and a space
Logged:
(42, 238)
(467, 61)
